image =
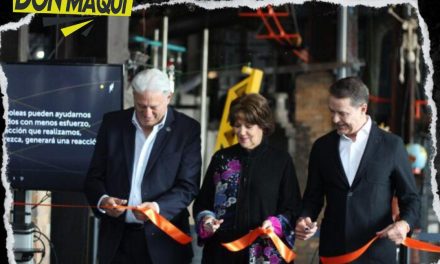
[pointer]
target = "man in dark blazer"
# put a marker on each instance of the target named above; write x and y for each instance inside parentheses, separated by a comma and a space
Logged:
(358, 168)
(147, 157)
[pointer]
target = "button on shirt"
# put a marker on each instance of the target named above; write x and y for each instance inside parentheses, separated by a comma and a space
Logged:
(351, 151)
(142, 151)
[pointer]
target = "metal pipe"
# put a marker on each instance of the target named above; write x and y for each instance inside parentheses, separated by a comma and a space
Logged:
(411, 86)
(411, 81)
(156, 49)
(95, 239)
(157, 43)
(342, 41)
(164, 43)
(204, 96)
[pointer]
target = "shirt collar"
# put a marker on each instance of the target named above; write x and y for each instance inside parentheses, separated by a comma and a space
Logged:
(160, 125)
(364, 131)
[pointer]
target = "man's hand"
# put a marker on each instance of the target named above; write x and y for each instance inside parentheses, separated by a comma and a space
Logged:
(395, 232)
(305, 228)
(211, 225)
(142, 207)
(110, 206)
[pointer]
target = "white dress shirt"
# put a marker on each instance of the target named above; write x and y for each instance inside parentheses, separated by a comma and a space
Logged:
(142, 151)
(351, 152)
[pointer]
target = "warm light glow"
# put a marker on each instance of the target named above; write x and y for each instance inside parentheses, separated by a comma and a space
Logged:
(212, 75)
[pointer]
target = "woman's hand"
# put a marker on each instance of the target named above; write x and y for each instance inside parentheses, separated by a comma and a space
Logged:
(211, 224)
(267, 224)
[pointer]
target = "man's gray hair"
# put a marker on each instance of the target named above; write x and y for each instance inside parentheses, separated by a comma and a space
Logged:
(151, 80)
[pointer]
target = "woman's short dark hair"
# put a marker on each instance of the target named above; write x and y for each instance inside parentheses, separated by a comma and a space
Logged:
(351, 87)
(253, 109)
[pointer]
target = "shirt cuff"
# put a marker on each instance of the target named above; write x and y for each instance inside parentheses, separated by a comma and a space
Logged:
(157, 207)
(99, 203)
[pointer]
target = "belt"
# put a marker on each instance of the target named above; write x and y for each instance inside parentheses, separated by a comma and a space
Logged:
(133, 226)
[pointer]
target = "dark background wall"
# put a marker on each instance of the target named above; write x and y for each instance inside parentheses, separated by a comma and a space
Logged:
(429, 10)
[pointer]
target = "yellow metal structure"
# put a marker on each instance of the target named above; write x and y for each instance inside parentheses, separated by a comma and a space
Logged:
(251, 84)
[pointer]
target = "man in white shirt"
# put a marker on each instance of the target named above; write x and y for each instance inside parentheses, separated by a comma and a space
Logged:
(357, 168)
(149, 157)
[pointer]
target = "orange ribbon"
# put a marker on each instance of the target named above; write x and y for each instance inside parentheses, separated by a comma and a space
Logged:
(166, 226)
(420, 245)
(159, 221)
(349, 257)
(408, 242)
(286, 253)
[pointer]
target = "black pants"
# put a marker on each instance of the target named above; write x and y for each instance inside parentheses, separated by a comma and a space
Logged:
(133, 248)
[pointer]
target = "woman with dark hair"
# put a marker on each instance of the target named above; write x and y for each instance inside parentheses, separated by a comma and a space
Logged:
(248, 185)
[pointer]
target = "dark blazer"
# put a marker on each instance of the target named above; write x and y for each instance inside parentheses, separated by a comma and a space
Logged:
(171, 179)
(354, 214)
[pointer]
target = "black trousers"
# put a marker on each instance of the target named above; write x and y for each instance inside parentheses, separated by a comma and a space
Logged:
(133, 248)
